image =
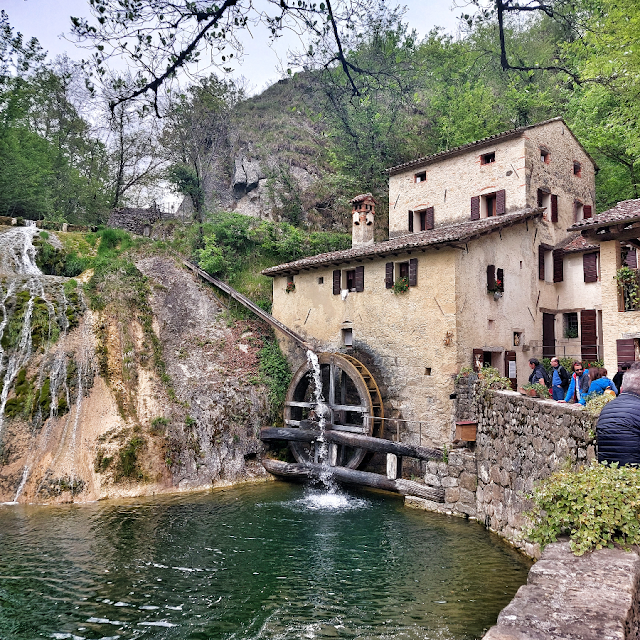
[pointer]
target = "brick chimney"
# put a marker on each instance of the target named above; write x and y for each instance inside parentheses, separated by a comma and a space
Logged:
(364, 209)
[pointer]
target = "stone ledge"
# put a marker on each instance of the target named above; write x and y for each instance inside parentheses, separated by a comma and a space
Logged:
(591, 597)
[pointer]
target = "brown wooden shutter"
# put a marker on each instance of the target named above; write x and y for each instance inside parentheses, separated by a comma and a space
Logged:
(359, 278)
(558, 268)
(388, 275)
(430, 218)
(540, 197)
(540, 262)
(491, 276)
(590, 267)
(501, 202)
(586, 211)
(411, 221)
(475, 208)
(478, 357)
(554, 208)
(510, 356)
(626, 350)
(413, 272)
(632, 259)
(588, 335)
(336, 282)
(548, 335)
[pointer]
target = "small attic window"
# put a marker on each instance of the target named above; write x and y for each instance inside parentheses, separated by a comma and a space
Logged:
(488, 158)
(545, 156)
(577, 169)
(420, 177)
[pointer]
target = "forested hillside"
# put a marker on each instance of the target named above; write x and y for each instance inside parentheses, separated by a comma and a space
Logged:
(300, 149)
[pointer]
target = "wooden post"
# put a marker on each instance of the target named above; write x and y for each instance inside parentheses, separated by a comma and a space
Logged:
(333, 455)
(392, 466)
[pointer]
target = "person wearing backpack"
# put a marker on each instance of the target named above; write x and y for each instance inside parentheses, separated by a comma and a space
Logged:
(560, 381)
(539, 374)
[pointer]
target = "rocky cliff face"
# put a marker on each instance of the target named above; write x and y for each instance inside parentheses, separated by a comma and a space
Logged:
(92, 406)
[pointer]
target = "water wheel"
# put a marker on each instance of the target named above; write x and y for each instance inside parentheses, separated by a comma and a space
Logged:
(352, 398)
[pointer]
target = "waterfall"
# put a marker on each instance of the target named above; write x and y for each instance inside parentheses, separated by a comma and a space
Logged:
(321, 410)
(17, 253)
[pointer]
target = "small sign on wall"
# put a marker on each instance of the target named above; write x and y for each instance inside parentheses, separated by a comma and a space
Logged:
(512, 369)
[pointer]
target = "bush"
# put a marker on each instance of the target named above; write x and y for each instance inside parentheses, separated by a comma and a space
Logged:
(276, 374)
(595, 403)
(596, 506)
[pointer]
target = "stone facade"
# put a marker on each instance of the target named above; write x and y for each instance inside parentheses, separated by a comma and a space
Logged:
(449, 179)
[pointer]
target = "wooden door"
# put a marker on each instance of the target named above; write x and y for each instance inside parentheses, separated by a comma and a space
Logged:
(548, 335)
(588, 335)
(510, 357)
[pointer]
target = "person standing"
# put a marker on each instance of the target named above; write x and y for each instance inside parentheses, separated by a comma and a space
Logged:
(559, 381)
(599, 383)
(578, 385)
(618, 428)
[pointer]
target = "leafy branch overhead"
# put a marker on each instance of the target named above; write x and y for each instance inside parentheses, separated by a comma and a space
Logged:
(163, 37)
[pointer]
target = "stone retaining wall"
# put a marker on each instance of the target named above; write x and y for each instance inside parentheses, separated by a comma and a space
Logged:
(591, 597)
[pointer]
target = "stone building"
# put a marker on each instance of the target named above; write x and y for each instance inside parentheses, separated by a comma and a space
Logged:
(479, 269)
(617, 234)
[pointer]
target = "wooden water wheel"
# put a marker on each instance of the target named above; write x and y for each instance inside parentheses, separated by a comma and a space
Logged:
(353, 402)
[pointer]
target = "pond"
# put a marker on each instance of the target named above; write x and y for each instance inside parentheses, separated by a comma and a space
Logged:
(273, 561)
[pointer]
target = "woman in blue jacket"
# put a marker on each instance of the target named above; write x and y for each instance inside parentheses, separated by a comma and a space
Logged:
(599, 382)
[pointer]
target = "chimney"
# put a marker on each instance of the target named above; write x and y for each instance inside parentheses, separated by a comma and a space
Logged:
(362, 213)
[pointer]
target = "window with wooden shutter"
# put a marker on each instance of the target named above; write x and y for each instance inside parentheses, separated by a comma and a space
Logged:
(587, 211)
(558, 266)
(541, 253)
(500, 279)
(626, 351)
(336, 282)
(554, 208)
(411, 221)
(429, 218)
(590, 267)
(350, 277)
(388, 275)
(359, 278)
(631, 259)
(501, 202)
(475, 208)
(491, 277)
(413, 272)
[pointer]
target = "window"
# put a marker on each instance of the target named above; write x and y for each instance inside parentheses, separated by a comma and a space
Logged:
(545, 156)
(489, 203)
(420, 177)
(581, 211)
(396, 271)
(426, 219)
(545, 263)
(570, 325)
(349, 280)
(347, 337)
(321, 280)
(577, 169)
(488, 158)
(495, 279)
(403, 270)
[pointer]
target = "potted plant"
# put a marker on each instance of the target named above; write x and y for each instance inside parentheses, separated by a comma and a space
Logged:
(528, 390)
(401, 285)
(541, 391)
(291, 286)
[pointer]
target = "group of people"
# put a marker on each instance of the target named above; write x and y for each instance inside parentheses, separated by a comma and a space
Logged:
(577, 386)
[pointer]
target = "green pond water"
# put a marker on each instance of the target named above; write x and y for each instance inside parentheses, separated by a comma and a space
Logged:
(274, 561)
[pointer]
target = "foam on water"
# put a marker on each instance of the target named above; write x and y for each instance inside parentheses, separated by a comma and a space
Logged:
(327, 501)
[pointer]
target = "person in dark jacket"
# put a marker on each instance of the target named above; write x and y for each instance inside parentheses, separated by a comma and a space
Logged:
(618, 428)
(560, 380)
(538, 374)
(617, 379)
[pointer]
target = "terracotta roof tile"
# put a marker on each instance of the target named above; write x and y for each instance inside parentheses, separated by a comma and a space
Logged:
(460, 232)
(625, 211)
(511, 133)
(576, 243)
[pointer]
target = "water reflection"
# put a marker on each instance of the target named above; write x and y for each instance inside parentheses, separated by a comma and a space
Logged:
(270, 562)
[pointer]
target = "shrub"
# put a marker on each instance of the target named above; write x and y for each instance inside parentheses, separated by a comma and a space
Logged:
(490, 378)
(128, 459)
(596, 506)
(595, 403)
(276, 374)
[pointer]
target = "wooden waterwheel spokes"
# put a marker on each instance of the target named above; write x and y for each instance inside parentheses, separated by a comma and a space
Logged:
(352, 403)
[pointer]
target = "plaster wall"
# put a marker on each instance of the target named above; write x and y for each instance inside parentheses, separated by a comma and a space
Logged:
(402, 335)
(451, 182)
(489, 324)
(616, 324)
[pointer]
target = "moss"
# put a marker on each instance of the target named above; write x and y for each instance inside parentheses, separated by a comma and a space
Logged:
(128, 466)
(102, 462)
(63, 407)
(44, 398)
(21, 403)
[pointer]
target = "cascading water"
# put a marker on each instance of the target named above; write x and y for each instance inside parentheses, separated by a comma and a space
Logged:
(322, 411)
(36, 350)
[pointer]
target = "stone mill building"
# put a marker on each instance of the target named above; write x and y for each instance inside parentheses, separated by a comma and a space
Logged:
(479, 268)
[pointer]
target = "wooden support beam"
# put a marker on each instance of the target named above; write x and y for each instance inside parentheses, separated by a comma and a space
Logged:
(309, 471)
(379, 445)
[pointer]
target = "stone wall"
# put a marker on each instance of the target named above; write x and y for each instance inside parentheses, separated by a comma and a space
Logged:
(591, 597)
(137, 221)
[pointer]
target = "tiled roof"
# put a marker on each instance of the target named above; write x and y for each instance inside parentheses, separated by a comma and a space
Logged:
(505, 135)
(361, 197)
(625, 211)
(454, 233)
(576, 243)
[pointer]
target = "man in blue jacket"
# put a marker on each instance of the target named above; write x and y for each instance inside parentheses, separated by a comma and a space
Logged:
(578, 385)
(618, 428)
